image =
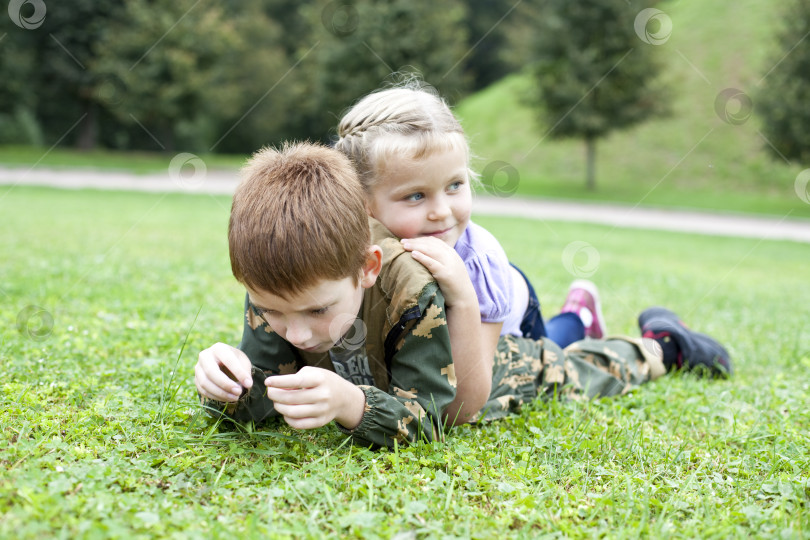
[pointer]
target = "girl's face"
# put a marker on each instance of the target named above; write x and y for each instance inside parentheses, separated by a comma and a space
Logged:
(425, 197)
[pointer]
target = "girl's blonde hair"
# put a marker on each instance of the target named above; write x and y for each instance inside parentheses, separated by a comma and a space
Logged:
(411, 120)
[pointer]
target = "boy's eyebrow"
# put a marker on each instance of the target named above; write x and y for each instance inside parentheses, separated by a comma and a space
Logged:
(311, 307)
(322, 305)
(256, 304)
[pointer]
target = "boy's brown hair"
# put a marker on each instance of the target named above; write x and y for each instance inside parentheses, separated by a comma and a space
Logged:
(298, 217)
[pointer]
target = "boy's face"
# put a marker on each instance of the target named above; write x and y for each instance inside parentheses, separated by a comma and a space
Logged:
(317, 318)
(425, 197)
(314, 320)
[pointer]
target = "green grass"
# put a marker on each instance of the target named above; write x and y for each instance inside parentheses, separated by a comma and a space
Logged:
(690, 158)
(136, 162)
(101, 436)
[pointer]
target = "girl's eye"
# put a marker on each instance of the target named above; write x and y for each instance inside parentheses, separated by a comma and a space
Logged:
(415, 197)
(320, 311)
(455, 186)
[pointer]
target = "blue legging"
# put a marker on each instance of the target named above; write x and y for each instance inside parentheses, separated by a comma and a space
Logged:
(563, 329)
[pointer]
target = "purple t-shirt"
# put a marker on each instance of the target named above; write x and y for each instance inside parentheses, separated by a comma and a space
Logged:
(491, 276)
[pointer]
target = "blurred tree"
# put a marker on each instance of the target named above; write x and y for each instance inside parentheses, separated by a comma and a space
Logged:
(18, 99)
(68, 84)
(594, 74)
(51, 58)
(224, 75)
(288, 15)
(259, 64)
(175, 64)
(489, 23)
(519, 49)
(357, 46)
(785, 96)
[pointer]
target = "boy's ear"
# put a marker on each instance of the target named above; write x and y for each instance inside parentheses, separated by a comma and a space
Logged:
(372, 266)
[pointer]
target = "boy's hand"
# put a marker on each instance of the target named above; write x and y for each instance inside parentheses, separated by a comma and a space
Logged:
(221, 372)
(313, 397)
(446, 266)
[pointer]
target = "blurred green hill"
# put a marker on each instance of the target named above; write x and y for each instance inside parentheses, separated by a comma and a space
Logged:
(692, 157)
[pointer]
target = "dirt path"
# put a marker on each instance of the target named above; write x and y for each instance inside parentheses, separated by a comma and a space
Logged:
(224, 182)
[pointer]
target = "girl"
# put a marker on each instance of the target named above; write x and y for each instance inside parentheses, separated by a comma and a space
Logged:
(413, 160)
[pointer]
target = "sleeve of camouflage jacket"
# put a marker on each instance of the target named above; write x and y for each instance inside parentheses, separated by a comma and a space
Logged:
(422, 385)
(269, 355)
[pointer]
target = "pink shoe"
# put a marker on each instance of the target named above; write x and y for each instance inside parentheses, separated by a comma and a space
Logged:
(583, 299)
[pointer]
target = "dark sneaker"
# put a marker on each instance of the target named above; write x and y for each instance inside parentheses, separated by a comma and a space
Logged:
(583, 299)
(684, 348)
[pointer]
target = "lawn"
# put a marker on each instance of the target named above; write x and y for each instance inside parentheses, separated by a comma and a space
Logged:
(18, 156)
(101, 435)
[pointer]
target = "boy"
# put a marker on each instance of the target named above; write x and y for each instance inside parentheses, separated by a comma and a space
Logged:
(341, 324)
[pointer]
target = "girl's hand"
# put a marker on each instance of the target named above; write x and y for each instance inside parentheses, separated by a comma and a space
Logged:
(445, 265)
(473, 350)
(313, 397)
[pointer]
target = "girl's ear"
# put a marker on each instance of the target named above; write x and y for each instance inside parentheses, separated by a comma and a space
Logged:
(372, 266)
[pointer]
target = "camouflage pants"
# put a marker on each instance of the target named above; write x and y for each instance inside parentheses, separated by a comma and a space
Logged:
(525, 369)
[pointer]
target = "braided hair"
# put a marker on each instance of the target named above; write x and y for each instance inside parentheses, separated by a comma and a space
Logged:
(411, 120)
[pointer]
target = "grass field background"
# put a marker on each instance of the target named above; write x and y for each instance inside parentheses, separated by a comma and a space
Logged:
(101, 436)
(22, 157)
(106, 299)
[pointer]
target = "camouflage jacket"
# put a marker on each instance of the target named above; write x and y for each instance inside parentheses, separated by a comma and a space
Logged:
(398, 354)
